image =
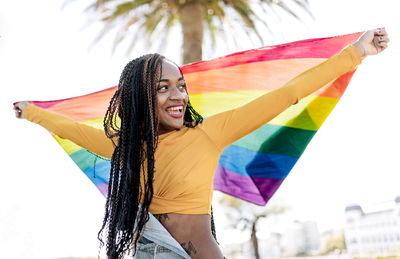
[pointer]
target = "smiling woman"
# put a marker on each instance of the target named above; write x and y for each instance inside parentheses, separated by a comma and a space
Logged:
(172, 98)
(164, 155)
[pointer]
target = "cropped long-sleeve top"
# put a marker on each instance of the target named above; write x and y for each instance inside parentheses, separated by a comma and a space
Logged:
(186, 158)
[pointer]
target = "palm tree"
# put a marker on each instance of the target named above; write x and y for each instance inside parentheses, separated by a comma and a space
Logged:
(150, 17)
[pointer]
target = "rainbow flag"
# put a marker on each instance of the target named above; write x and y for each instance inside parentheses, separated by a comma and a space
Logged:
(253, 167)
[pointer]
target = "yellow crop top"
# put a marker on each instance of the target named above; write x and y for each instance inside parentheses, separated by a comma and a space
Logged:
(186, 159)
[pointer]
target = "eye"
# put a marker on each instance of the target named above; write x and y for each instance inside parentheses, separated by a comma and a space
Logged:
(182, 86)
(162, 88)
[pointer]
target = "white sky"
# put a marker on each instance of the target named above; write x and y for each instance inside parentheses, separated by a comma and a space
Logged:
(49, 209)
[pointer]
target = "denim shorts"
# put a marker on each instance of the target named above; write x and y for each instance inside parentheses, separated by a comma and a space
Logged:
(147, 249)
(157, 242)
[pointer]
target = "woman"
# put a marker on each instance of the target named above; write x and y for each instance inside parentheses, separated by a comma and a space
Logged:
(163, 154)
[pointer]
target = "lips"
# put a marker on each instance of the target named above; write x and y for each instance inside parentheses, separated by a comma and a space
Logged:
(175, 111)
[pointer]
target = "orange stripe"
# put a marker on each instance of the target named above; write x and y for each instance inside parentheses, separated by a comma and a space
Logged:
(338, 86)
(85, 107)
(266, 75)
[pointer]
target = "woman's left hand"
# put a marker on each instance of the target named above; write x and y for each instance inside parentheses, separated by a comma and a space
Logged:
(372, 42)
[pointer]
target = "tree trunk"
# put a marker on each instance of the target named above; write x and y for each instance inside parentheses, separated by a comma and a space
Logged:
(254, 239)
(192, 15)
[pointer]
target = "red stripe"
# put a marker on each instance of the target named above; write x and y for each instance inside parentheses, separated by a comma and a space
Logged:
(311, 48)
(48, 104)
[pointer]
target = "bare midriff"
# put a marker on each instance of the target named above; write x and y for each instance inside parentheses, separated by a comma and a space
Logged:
(193, 233)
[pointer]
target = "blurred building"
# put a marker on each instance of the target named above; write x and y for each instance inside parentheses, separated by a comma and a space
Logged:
(312, 238)
(328, 235)
(302, 238)
(242, 250)
(375, 233)
(270, 248)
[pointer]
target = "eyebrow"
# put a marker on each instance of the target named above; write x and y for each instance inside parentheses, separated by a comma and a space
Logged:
(167, 80)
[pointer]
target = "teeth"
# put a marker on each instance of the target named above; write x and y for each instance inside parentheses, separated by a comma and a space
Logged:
(176, 108)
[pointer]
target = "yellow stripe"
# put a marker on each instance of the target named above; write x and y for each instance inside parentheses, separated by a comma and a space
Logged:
(97, 123)
(308, 114)
(208, 104)
(67, 145)
(71, 147)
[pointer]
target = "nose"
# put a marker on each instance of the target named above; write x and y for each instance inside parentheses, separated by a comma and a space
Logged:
(177, 94)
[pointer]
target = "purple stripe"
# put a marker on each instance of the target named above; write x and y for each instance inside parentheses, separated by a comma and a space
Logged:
(256, 189)
(103, 187)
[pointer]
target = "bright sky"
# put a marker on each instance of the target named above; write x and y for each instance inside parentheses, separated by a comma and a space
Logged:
(49, 209)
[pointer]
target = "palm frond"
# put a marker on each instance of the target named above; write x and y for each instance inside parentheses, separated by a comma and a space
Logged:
(146, 17)
(152, 20)
(287, 9)
(121, 35)
(104, 31)
(242, 7)
(124, 9)
(244, 11)
(304, 6)
(166, 28)
(217, 8)
(98, 4)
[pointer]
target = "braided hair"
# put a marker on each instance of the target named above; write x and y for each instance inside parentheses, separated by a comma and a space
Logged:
(131, 122)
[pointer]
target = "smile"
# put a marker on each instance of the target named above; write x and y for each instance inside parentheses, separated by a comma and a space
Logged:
(175, 111)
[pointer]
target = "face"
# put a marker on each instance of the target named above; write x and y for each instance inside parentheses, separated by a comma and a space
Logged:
(172, 98)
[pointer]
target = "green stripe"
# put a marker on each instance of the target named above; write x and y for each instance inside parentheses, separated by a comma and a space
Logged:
(84, 159)
(303, 121)
(277, 139)
(308, 114)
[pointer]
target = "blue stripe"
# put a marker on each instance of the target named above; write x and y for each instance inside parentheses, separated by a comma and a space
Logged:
(100, 173)
(256, 164)
(234, 158)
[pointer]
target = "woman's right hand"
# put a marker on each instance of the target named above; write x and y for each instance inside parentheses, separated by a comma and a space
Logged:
(19, 108)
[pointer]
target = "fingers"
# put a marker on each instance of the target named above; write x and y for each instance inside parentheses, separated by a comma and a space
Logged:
(18, 111)
(382, 45)
(381, 32)
(18, 114)
(19, 108)
(382, 36)
(381, 39)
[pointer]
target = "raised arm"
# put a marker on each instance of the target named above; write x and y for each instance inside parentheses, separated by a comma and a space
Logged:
(229, 126)
(88, 137)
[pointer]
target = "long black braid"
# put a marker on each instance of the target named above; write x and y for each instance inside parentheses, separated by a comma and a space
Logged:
(131, 122)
